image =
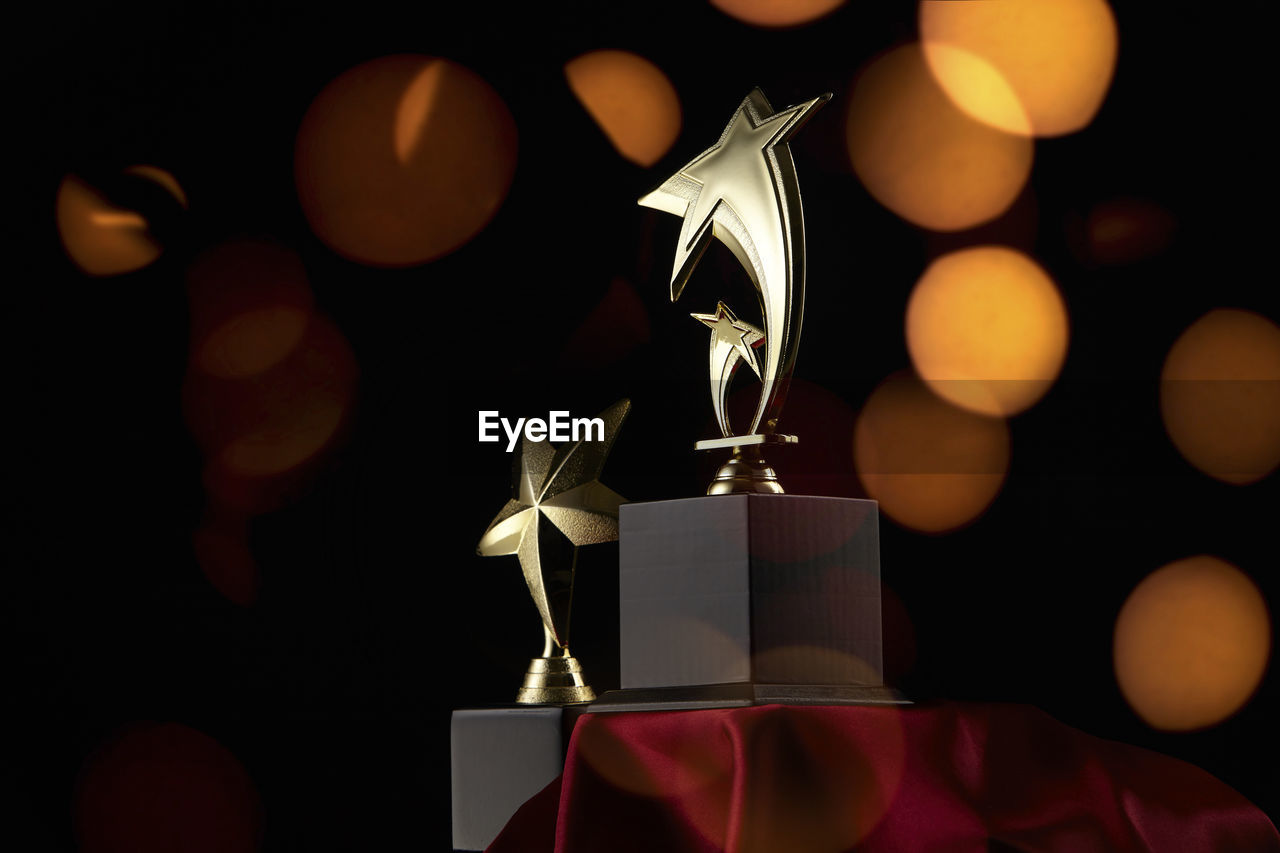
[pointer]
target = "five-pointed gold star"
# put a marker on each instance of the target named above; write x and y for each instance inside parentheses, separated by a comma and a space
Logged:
(559, 505)
(731, 339)
(737, 178)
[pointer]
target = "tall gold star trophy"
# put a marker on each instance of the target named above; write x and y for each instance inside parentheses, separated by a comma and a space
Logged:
(747, 595)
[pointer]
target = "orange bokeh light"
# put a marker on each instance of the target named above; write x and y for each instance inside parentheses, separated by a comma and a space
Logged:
(933, 467)
(403, 159)
(161, 178)
(977, 87)
(221, 546)
(100, 238)
(824, 787)
(263, 434)
(1056, 57)
(250, 306)
(924, 158)
(822, 462)
(810, 664)
(987, 329)
(1220, 395)
(1125, 230)
(253, 341)
(1191, 643)
(158, 787)
(777, 13)
(631, 99)
(286, 436)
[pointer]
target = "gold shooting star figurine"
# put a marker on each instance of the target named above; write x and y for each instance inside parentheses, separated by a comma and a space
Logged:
(744, 192)
(559, 505)
(732, 342)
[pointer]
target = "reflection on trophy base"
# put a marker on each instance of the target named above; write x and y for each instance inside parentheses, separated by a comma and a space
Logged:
(743, 695)
(751, 590)
(746, 472)
(554, 681)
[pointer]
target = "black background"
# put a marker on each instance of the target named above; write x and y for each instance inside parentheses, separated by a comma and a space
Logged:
(375, 617)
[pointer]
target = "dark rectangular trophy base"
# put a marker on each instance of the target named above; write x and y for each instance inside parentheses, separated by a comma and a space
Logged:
(759, 591)
(500, 757)
(743, 695)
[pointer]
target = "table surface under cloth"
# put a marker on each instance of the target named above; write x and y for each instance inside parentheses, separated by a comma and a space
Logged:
(938, 777)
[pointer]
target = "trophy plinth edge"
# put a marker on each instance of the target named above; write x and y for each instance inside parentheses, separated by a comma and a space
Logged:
(743, 696)
(500, 756)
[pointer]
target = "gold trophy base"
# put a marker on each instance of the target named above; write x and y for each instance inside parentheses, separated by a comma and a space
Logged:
(554, 681)
(746, 472)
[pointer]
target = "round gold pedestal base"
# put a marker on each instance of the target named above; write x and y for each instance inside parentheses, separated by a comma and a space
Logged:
(554, 681)
(745, 473)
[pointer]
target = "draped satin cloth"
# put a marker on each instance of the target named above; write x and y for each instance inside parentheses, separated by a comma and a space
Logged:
(950, 777)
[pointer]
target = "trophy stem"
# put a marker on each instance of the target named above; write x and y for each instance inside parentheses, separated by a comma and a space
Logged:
(555, 678)
(746, 472)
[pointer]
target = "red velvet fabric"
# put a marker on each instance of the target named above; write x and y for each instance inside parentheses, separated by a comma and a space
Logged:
(950, 777)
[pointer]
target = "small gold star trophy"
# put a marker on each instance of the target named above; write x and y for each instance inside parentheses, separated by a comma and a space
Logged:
(503, 755)
(559, 505)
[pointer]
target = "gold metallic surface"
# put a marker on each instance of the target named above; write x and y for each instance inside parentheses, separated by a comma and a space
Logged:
(743, 191)
(746, 472)
(559, 505)
(554, 679)
(732, 341)
(737, 442)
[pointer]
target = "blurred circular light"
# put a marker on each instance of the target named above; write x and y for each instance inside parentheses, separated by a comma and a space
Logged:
(987, 329)
(161, 787)
(977, 87)
(288, 437)
(1191, 643)
(262, 434)
(99, 237)
(777, 13)
(1220, 395)
(631, 100)
(898, 642)
(253, 341)
(403, 159)
(161, 178)
(933, 467)
(616, 326)
(828, 785)
(680, 762)
(221, 545)
(1055, 56)
(821, 464)
(250, 306)
(921, 156)
(827, 788)
(1124, 230)
(813, 664)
